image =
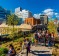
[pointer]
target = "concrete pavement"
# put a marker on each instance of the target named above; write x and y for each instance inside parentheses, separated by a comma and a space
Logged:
(38, 51)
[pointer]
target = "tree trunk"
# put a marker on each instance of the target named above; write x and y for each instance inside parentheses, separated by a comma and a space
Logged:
(13, 28)
(13, 32)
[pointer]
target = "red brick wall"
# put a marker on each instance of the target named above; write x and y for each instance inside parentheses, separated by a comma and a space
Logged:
(32, 21)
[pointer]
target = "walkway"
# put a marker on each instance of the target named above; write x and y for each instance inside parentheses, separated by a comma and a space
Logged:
(38, 51)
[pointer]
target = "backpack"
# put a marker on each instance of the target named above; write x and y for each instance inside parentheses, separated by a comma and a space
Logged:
(11, 51)
(14, 53)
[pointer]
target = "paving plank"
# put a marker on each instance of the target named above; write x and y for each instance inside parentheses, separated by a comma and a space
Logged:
(38, 51)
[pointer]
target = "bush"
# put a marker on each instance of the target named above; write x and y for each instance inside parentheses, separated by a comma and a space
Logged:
(3, 51)
(3, 55)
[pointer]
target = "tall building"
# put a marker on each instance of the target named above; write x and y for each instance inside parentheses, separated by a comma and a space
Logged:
(44, 19)
(26, 14)
(18, 9)
(3, 14)
(22, 13)
(19, 14)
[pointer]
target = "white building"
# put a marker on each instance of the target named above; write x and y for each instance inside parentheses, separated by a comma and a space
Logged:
(26, 14)
(22, 13)
(18, 9)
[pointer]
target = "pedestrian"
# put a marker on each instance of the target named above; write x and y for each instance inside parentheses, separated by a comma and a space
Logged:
(52, 36)
(32, 41)
(38, 36)
(49, 41)
(44, 39)
(11, 51)
(29, 44)
(27, 47)
(46, 35)
(36, 39)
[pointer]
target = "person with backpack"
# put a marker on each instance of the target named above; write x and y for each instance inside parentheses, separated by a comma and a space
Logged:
(11, 51)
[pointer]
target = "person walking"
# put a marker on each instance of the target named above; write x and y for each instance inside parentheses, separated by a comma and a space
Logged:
(32, 41)
(49, 40)
(44, 40)
(39, 37)
(36, 39)
(46, 37)
(27, 47)
(52, 36)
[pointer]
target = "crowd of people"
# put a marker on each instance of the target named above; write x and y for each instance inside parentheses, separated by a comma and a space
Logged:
(38, 38)
(44, 37)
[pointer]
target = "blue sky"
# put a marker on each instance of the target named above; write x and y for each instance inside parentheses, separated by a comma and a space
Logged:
(35, 6)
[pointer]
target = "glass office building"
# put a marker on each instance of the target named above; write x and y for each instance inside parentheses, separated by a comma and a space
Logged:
(3, 14)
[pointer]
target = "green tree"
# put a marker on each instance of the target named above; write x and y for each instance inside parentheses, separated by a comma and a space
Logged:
(51, 27)
(12, 20)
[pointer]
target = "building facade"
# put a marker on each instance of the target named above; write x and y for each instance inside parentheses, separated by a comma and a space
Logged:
(22, 13)
(44, 19)
(3, 14)
(32, 21)
(26, 14)
(18, 9)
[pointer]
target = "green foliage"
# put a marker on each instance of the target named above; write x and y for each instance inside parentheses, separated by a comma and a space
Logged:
(11, 36)
(29, 35)
(3, 51)
(52, 27)
(12, 20)
(3, 55)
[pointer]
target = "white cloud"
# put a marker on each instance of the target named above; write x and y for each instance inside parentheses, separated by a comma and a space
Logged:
(56, 13)
(49, 12)
(57, 16)
(37, 16)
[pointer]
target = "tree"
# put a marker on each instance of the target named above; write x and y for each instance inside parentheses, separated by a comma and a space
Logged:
(12, 20)
(52, 27)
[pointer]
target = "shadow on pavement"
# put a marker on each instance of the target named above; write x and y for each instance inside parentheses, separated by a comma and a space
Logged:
(38, 53)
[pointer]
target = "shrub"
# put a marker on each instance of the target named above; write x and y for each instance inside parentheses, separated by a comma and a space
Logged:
(3, 51)
(3, 55)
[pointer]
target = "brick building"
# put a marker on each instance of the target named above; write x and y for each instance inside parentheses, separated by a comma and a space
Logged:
(32, 21)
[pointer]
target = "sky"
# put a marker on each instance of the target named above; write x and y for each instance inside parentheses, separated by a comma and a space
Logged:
(37, 7)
